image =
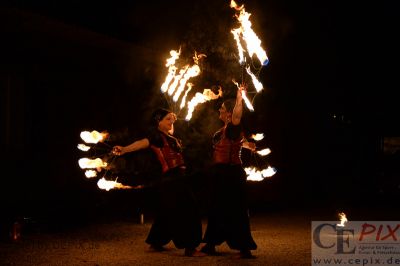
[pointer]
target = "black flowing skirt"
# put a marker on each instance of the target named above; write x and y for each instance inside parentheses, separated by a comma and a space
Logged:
(177, 217)
(228, 216)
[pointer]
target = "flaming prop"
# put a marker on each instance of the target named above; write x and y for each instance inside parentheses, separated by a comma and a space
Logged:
(258, 175)
(177, 83)
(95, 164)
(245, 34)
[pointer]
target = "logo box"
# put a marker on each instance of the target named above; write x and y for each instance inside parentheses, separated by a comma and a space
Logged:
(355, 243)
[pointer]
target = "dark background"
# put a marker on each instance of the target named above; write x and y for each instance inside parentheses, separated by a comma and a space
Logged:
(328, 105)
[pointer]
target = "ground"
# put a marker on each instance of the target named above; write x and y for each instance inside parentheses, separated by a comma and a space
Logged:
(283, 237)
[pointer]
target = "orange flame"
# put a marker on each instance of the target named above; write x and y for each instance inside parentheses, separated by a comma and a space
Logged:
(257, 84)
(244, 96)
(207, 95)
(343, 219)
(91, 163)
(258, 175)
(108, 184)
(264, 152)
(90, 173)
(253, 43)
(83, 147)
(175, 84)
(257, 137)
(94, 136)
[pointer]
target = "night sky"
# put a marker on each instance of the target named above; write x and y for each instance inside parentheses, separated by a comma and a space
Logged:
(328, 103)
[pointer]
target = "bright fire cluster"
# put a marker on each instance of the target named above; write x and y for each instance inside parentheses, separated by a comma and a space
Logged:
(96, 165)
(177, 85)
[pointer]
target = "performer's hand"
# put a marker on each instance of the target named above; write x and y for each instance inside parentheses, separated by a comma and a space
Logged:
(117, 150)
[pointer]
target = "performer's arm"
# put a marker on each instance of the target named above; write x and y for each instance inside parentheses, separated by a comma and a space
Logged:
(249, 145)
(238, 109)
(137, 145)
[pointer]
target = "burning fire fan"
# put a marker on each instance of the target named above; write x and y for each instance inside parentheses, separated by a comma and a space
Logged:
(99, 160)
(249, 46)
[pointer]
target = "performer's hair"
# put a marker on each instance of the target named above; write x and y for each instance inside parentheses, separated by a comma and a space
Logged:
(158, 115)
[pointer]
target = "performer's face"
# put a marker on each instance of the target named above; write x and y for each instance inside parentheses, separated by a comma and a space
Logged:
(224, 115)
(167, 123)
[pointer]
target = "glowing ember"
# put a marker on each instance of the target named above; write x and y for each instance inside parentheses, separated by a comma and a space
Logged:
(108, 184)
(91, 163)
(258, 175)
(257, 137)
(94, 136)
(264, 152)
(343, 219)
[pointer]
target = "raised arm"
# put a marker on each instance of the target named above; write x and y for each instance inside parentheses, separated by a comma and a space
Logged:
(238, 109)
(137, 145)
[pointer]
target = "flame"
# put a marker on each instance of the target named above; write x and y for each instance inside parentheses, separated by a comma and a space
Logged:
(183, 101)
(343, 219)
(94, 136)
(244, 96)
(83, 147)
(90, 173)
(175, 84)
(258, 175)
(257, 137)
(207, 95)
(107, 184)
(91, 163)
(191, 72)
(253, 43)
(171, 69)
(257, 84)
(264, 152)
(236, 36)
(176, 79)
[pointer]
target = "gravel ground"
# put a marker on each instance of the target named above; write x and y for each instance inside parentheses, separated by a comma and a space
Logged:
(283, 239)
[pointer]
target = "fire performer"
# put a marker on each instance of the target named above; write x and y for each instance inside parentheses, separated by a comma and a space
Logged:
(228, 218)
(177, 218)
